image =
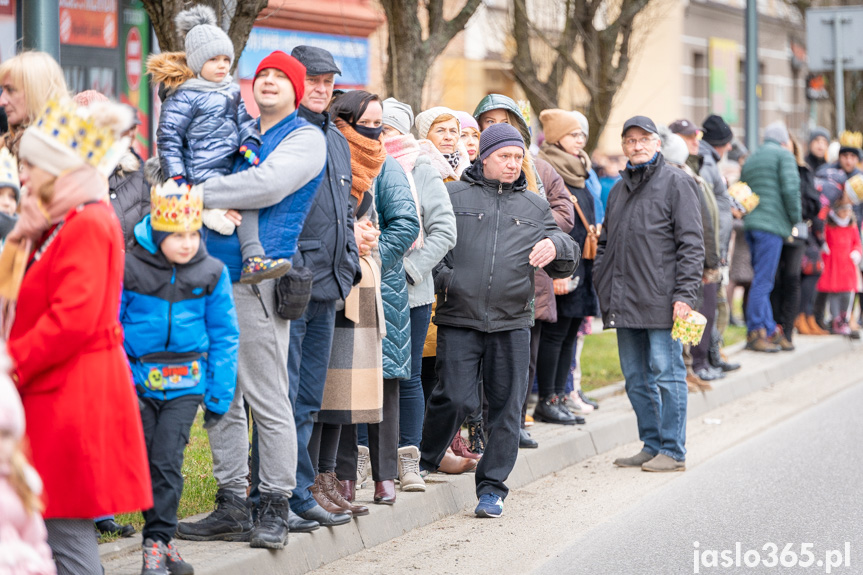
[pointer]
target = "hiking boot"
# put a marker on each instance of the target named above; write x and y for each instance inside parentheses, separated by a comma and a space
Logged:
(364, 466)
(271, 530)
(663, 464)
(779, 339)
(321, 495)
(257, 269)
(476, 437)
(635, 461)
(175, 563)
(460, 447)
(230, 521)
(548, 410)
(490, 506)
(331, 486)
(409, 469)
(757, 341)
(155, 558)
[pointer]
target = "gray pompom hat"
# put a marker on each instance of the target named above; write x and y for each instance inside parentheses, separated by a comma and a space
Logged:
(204, 39)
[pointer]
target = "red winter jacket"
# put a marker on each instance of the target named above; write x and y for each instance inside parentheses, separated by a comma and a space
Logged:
(840, 272)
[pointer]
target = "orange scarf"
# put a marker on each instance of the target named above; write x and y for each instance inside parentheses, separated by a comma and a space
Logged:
(367, 158)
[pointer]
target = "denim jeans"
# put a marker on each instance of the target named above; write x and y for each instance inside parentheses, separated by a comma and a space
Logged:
(765, 249)
(652, 364)
(411, 399)
(308, 359)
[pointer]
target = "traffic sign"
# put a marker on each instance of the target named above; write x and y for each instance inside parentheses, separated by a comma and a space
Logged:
(821, 38)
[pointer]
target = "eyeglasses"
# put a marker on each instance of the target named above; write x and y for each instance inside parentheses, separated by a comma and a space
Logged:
(579, 136)
(630, 142)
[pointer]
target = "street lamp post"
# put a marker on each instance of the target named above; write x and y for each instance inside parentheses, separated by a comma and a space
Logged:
(751, 74)
(41, 26)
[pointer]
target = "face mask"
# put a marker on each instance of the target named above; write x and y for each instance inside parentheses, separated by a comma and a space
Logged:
(370, 133)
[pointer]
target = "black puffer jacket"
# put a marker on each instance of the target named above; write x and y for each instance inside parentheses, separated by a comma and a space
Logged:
(486, 282)
(129, 193)
(651, 250)
(327, 245)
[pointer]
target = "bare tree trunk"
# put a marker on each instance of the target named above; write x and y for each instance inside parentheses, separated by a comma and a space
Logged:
(240, 13)
(410, 56)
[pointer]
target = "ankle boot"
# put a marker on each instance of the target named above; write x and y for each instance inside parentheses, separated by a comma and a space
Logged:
(757, 341)
(331, 483)
(814, 327)
(321, 495)
(385, 492)
(802, 325)
(347, 489)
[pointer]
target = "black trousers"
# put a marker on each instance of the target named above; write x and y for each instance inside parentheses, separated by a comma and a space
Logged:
(556, 347)
(785, 297)
(807, 293)
(324, 446)
(463, 355)
(167, 425)
(535, 334)
(708, 310)
(383, 441)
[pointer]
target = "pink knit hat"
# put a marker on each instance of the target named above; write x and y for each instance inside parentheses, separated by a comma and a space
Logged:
(467, 121)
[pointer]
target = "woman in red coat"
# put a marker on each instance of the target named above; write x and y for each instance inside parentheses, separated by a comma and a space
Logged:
(841, 258)
(83, 423)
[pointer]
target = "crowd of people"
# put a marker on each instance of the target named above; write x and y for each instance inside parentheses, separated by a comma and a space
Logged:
(351, 283)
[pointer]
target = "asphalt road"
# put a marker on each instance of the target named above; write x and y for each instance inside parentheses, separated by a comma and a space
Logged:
(799, 482)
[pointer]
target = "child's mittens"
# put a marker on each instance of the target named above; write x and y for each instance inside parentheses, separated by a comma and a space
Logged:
(250, 151)
(217, 221)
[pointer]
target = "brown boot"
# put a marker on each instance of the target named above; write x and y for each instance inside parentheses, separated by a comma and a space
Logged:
(347, 489)
(757, 341)
(319, 492)
(695, 384)
(778, 338)
(331, 486)
(814, 328)
(802, 325)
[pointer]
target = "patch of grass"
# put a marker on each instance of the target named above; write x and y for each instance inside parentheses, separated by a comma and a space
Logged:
(734, 334)
(600, 365)
(199, 489)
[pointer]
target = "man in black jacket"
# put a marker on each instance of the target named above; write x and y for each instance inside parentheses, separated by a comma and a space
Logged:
(484, 311)
(648, 267)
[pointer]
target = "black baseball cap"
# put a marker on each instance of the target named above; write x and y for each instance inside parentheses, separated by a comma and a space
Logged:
(316, 60)
(683, 128)
(642, 122)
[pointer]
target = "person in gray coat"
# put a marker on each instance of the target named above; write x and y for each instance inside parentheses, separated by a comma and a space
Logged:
(485, 291)
(647, 273)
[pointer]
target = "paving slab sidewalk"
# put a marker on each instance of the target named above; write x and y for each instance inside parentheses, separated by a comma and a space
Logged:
(560, 446)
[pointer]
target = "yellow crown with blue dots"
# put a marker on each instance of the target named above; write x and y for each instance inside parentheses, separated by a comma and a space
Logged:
(8, 171)
(64, 123)
(176, 208)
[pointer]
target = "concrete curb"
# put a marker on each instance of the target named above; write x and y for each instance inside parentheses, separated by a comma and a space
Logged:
(561, 446)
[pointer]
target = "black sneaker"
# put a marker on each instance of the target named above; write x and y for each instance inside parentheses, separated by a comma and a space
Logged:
(271, 529)
(175, 563)
(230, 521)
(155, 558)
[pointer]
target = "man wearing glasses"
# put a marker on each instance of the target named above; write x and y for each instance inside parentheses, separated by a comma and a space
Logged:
(647, 271)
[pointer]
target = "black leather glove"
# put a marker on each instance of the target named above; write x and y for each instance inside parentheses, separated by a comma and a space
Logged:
(211, 418)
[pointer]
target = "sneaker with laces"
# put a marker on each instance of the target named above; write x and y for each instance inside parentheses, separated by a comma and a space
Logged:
(155, 558)
(409, 469)
(364, 466)
(175, 563)
(231, 520)
(271, 529)
(257, 269)
(490, 506)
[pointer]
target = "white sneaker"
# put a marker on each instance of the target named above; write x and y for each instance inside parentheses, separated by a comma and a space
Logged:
(409, 469)
(364, 466)
(577, 406)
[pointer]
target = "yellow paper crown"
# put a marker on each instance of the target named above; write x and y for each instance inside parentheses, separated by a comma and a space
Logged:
(175, 208)
(524, 108)
(851, 139)
(70, 126)
(8, 170)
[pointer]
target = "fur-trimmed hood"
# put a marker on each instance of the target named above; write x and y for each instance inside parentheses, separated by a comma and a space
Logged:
(169, 69)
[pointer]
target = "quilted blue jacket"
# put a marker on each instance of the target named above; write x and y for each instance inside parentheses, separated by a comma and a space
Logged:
(397, 216)
(200, 131)
(181, 333)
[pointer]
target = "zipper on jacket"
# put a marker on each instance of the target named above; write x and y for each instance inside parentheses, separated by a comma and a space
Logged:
(260, 299)
(518, 222)
(474, 214)
(493, 253)
(171, 306)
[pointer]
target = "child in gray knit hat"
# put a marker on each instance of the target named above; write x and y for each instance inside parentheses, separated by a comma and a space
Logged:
(204, 126)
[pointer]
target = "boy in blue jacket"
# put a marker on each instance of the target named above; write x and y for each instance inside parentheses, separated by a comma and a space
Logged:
(181, 337)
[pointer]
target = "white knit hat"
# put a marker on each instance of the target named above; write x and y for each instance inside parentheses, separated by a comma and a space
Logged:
(204, 39)
(424, 120)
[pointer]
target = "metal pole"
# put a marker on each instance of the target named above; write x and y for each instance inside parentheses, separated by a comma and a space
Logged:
(839, 73)
(751, 74)
(41, 26)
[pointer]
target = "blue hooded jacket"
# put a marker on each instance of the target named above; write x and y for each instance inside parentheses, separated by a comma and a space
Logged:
(181, 332)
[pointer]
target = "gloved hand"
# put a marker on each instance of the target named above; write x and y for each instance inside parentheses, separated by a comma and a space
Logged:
(181, 181)
(250, 150)
(211, 418)
(216, 221)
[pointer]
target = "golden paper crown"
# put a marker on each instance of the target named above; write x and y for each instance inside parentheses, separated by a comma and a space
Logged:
(73, 127)
(851, 139)
(8, 170)
(175, 208)
(524, 108)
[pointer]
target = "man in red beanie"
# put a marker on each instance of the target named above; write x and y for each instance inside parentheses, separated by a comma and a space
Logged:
(282, 186)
